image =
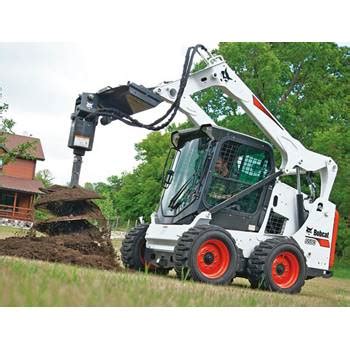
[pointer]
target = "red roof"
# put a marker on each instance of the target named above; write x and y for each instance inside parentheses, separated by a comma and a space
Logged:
(12, 141)
(21, 185)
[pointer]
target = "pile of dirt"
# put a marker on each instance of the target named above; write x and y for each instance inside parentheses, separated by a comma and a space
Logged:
(79, 249)
(59, 194)
(76, 231)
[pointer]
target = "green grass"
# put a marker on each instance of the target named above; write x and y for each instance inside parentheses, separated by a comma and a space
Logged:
(34, 283)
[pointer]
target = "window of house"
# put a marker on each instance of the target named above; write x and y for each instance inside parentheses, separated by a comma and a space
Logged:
(7, 199)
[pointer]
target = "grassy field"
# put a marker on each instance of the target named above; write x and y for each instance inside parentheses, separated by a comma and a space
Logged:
(35, 283)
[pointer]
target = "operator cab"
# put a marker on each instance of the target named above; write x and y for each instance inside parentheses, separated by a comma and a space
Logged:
(210, 165)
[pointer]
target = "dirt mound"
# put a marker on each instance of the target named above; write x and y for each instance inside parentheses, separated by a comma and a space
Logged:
(56, 194)
(77, 231)
(78, 249)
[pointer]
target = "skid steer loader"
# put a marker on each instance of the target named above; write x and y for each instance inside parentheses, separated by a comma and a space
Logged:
(224, 211)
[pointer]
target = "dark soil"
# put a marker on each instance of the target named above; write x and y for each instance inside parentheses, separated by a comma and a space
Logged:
(77, 232)
(66, 226)
(56, 193)
(80, 249)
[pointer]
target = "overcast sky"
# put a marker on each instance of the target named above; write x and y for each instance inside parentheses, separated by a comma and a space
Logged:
(41, 81)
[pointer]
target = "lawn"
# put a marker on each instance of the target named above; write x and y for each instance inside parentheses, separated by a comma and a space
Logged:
(35, 283)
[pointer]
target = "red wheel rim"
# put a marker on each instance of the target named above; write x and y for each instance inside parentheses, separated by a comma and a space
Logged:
(213, 258)
(285, 269)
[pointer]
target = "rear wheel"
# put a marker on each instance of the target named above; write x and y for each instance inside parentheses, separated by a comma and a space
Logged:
(277, 264)
(133, 251)
(207, 254)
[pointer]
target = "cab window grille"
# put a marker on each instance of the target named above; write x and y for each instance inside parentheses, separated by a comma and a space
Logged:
(237, 167)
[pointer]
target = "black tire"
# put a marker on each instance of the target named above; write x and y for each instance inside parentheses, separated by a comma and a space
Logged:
(277, 264)
(132, 251)
(189, 266)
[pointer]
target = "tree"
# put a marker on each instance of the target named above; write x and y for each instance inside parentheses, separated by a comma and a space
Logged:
(7, 124)
(45, 176)
(6, 127)
(303, 84)
(108, 191)
(140, 190)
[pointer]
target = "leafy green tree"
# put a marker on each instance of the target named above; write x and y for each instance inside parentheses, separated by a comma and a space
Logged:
(6, 127)
(45, 176)
(108, 191)
(140, 190)
(6, 124)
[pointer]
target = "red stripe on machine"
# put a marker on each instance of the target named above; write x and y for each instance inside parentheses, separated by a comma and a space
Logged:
(258, 104)
(334, 238)
(323, 242)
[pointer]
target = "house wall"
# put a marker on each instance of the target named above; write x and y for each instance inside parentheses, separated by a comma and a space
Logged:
(22, 168)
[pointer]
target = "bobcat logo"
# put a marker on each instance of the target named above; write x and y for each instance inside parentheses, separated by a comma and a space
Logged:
(317, 233)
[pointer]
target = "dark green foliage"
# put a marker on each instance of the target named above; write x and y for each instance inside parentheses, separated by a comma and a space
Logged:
(108, 190)
(141, 189)
(343, 242)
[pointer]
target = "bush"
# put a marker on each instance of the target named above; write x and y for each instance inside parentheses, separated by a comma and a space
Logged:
(343, 241)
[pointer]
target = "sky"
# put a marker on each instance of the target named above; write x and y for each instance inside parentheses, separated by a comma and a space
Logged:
(40, 82)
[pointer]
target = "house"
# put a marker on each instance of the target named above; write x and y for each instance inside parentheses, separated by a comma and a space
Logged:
(18, 187)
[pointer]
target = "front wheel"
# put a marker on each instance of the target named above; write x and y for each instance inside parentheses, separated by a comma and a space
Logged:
(277, 264)
(206, 253)
(133, 252)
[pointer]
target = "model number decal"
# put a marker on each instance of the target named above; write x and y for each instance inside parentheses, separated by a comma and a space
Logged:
(310, 241)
